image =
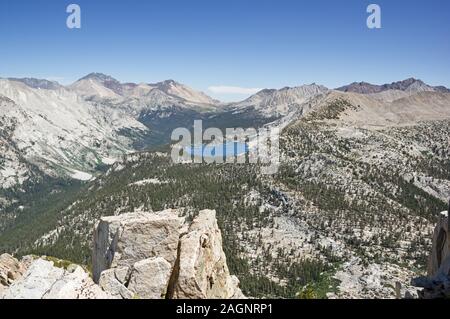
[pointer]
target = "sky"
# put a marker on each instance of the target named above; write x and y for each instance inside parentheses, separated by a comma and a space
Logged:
(228, 48)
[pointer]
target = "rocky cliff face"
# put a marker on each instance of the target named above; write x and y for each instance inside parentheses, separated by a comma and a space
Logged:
(136, 255)
(437, 284)
(439, 260)
(160, 255)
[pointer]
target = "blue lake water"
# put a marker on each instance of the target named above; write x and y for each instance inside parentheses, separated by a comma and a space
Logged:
(218, 150)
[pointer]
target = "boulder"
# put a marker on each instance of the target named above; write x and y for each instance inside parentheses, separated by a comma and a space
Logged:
(43, 280)
(121, 241)
(75, 285)
(113, 282)
(150, 278)
(36, 282)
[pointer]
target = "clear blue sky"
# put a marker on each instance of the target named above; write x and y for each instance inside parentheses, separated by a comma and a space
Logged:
(243, 43)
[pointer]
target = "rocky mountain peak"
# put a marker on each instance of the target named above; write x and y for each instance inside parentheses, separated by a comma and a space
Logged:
(360, 87)
(184, 92)
(166, 85)
(273, 102)
(410, 85)
(101, 77)
(442, 89)
(105, 86)
(169, 82)
(106, 80)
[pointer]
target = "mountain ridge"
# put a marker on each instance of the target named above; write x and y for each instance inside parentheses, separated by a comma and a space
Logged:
(97, 119)
(408, 85)
(127, 90)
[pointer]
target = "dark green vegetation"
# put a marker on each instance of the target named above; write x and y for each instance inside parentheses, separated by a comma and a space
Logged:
(319, 288)
(373, 183)
(23, 225)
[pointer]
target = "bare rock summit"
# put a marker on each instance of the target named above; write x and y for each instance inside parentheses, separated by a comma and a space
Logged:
(161, 255)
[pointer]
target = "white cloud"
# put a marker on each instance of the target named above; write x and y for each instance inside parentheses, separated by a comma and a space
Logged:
(222, 89)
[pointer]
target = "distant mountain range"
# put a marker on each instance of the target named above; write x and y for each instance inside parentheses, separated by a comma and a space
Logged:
(408, 85)
(73, 130)
(105, 86)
